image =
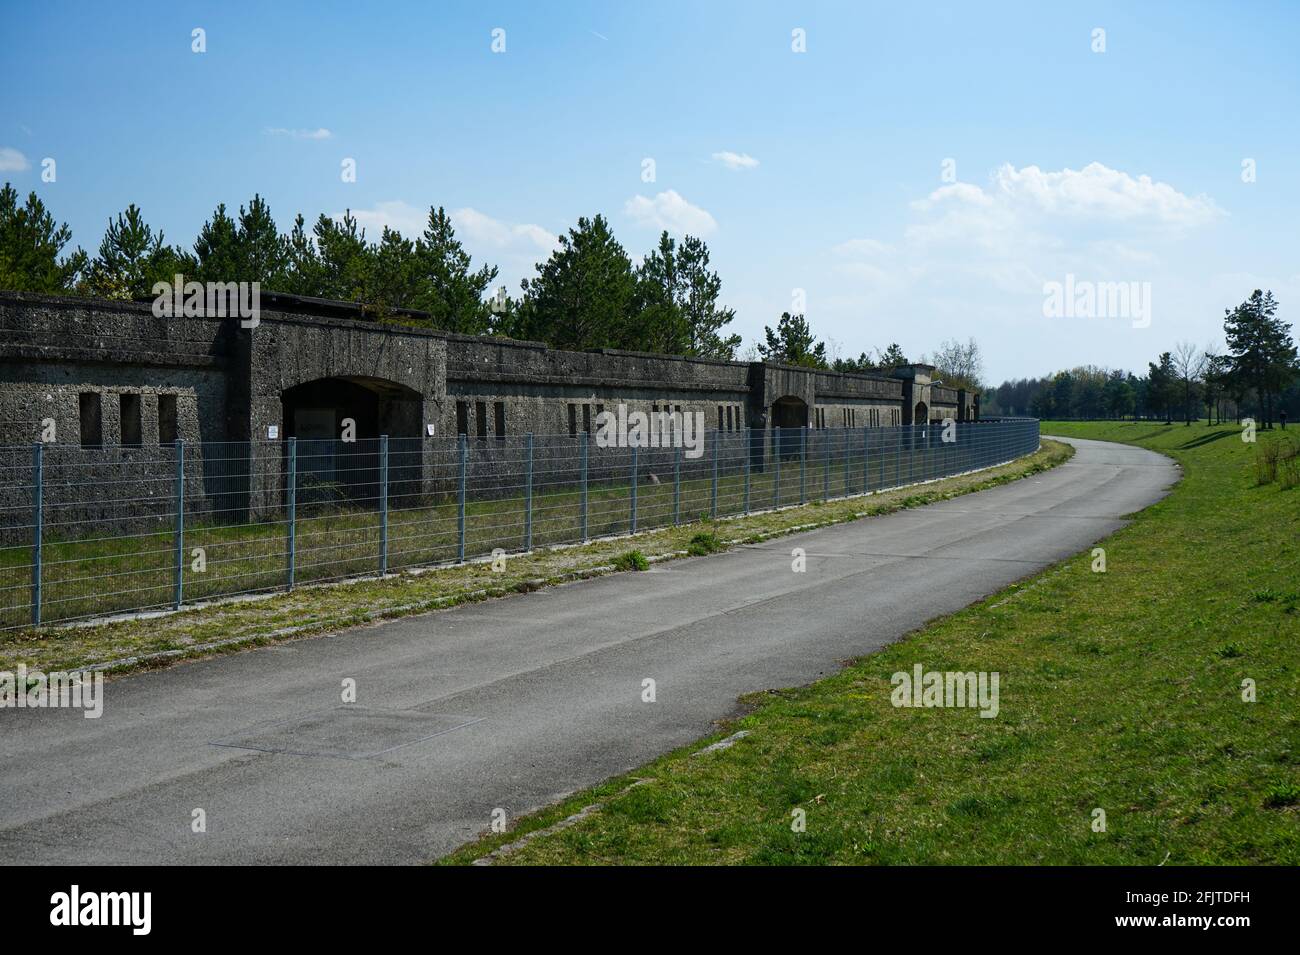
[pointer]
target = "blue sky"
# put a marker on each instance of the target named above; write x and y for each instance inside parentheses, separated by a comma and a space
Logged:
(819, 171)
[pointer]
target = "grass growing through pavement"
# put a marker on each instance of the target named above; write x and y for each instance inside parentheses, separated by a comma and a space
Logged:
(308, 611)
(1120, 691)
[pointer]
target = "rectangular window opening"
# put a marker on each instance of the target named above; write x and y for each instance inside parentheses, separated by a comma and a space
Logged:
(168, 430)
(92, 425)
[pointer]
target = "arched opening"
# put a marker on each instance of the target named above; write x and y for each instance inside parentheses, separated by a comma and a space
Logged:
(337, 423)
(922, 414)
(789, 414)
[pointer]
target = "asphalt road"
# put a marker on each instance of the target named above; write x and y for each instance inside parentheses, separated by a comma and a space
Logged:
(512, 703)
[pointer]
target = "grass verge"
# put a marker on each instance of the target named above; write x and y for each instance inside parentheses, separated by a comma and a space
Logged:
(1121, 691)
(227, 627)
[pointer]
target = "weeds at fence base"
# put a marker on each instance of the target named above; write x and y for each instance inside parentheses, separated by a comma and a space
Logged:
(631, 560)
(705, 542)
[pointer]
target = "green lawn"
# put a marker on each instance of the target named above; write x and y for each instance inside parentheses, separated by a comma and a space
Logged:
(1120, 691)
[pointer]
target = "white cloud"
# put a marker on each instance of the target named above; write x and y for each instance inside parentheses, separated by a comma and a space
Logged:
(523, 238)
(395, 214)
(735, 160)
(976, 258)
(11, 160)
(670, 211)
(320, 133)
(1094, 193)
(480, 233)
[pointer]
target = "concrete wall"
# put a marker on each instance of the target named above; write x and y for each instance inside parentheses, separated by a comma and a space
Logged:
(235, 384)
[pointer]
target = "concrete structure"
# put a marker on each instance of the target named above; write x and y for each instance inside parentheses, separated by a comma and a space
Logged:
(310, 363)
(116, 381)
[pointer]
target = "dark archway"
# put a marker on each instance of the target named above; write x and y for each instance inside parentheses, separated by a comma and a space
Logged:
(331, 468)
(922, 414)
(789, 414)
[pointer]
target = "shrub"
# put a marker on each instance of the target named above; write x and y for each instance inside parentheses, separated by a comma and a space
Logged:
(1283, 794)
(705, 542)
(631, 560)
(1288, 463)
(1266, 462)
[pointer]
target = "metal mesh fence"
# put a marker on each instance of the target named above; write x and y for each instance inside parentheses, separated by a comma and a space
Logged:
(87, 532)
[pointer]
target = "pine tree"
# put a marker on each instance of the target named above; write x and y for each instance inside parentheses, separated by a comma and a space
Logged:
(583, 294)
(132, 257)
(345, 258)
(1261, 352)
(702, 317)
(447, 289)
(660, 324)
(30, 246)
(792, 343)
(304, 271)
(394, 278)
(891, 357)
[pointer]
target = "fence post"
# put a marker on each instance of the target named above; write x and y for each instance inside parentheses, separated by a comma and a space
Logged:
(677, 486)
(713, 494)
(803, 465)
(776, 458)
(635, 449)
(749, 450)
(293, 508)
(898, 456)
(528, 493)
(866, 476)
(826, 467)
(911, 454)
(582, 494)
(179, 594)
(460, 499)
(38, 495)
(846, 433)
(383, 505)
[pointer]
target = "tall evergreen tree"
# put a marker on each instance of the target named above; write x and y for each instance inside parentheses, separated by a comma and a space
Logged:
(304, 271)
(132, 257)
(583, 294)
(1162, 387)
(216, 250)
(31, 245)
(891, 357)
(446, 287)
(1261, 351)
(660, 324)
(394, 275)
(345, 258)
(245, 248)
(792, 343)
(703, 319)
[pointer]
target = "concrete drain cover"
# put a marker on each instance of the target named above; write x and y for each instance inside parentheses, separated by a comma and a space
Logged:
(347, 732)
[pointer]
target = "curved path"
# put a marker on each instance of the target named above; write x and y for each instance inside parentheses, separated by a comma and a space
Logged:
(515, 702)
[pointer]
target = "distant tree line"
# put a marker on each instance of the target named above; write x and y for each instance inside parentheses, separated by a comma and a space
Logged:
(1257, 375)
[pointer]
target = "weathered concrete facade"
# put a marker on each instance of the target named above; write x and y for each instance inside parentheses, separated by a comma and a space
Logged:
(232, 383)
(115, 382)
